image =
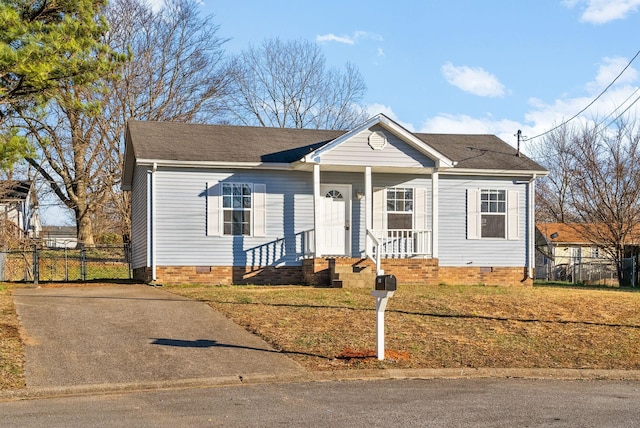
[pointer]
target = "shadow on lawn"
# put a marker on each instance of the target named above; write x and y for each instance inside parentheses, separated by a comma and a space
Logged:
(441, 315)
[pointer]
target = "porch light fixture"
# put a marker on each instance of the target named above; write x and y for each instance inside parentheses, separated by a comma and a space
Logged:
(359, 194)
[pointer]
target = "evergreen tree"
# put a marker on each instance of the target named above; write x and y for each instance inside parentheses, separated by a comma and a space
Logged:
(46, 43)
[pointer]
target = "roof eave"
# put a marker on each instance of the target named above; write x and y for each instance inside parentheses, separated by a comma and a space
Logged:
(214, 164)
(495, 172)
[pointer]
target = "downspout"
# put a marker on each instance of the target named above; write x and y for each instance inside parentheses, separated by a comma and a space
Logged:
(317, 226)
(152, 208)
(435, 219)
(532, 225)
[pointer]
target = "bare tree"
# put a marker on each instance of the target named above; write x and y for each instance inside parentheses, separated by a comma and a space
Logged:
(556, 153)
(287, 85)
(594, 185)
(173, 74)
(605, 190)
(176, 73)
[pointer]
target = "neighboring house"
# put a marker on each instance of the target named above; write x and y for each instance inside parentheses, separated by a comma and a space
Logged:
(567, 252)
(230, 204)
(60, 236)
(19, 210)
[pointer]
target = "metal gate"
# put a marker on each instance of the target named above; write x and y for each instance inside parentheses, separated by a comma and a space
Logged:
(65, 264)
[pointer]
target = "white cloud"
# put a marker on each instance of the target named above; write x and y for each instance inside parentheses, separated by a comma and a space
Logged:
(474, 80)
(349, 39)
(464, 124)
(621, 99)
(609, 70)
(603, 11)
(333, 38)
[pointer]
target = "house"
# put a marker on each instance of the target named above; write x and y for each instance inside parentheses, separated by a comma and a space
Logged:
(571, 252)
(218, 204)
(60, 236)
(19, 210)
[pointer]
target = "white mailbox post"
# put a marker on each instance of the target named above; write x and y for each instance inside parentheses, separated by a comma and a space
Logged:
(385, 287)
(382, 296)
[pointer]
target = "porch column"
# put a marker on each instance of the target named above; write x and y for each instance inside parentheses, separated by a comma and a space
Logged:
(368, 208)
(317, 223)
(434, 214)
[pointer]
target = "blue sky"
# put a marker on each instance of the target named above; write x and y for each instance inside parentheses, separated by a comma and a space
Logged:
(462, 66)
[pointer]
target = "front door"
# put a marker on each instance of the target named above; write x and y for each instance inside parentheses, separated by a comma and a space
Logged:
(336, 208)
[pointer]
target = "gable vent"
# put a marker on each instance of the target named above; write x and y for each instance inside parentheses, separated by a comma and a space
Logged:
(377, 140)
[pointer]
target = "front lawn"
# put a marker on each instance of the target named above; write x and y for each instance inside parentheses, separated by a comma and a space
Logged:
(440, 326)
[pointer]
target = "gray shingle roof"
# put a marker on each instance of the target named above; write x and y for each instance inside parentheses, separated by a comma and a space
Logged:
(479, 151)
(223, 143)
(14, 190)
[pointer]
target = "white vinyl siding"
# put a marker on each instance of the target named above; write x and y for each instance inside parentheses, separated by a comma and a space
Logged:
(139, 218)
(458, 223)
(357, 151)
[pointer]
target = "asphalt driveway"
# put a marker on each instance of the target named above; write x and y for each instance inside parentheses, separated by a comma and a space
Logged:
(133, 333)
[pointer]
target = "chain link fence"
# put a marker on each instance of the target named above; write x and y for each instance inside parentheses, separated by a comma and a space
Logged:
(591, 271)
(65, 264)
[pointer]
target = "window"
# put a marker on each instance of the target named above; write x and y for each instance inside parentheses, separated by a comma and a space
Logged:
(399, 208)
(333, 194)
(493, 213)
(236, 209)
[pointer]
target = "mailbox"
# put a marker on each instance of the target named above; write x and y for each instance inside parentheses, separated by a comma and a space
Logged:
(386, 282)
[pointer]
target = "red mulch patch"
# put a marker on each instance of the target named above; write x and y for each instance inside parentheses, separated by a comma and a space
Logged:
(354, 354)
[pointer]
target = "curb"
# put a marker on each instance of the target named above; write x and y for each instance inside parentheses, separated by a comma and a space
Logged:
(322, 376)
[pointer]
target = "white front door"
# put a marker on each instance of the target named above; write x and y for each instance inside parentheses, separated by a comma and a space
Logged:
(336, 212)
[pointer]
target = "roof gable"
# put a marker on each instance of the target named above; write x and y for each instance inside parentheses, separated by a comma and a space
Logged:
(375, 136)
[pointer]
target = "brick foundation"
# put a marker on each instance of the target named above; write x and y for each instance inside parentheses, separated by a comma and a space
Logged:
(317, 272)
(508, 276)
(227, 275)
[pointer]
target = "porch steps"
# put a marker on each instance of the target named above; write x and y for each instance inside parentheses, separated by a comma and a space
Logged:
(352, 273)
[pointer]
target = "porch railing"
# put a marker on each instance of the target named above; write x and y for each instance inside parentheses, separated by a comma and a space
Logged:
(374, 256)
(384, 243)
(309, 242)
(402, 243)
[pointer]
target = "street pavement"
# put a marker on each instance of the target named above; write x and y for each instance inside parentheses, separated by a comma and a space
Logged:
(383, 403)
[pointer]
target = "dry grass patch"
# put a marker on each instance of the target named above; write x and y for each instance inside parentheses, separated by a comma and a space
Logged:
(11, 355)
(440, 326)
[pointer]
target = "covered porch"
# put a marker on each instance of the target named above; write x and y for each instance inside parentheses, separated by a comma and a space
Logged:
(384, 209)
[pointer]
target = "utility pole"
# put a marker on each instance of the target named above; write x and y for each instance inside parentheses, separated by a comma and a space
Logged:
(519, 135)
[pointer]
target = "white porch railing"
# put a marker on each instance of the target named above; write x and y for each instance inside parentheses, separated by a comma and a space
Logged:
(402, 243)
(375, 257)
(309, 242)
(384, 243)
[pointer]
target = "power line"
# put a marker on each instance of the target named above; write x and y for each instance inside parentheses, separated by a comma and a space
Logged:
(624, 111)
(592, 102)
(616, 109)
